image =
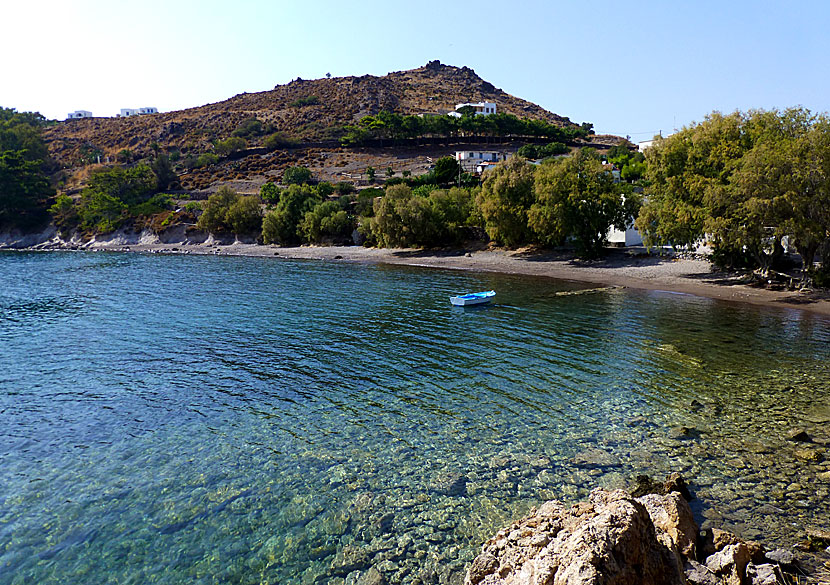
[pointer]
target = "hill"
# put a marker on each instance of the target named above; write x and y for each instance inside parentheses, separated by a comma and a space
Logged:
(305, 110)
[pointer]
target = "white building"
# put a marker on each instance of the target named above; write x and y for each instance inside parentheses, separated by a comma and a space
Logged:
(481, 108)
(471, 160)
(78, 114)
(127, 112)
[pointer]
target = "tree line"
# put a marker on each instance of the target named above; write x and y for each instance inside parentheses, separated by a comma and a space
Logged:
(746, 183)
(25, 188)
(389, 125)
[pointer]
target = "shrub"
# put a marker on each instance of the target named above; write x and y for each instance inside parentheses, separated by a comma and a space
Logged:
(205, 160)
(156, 204)
(229, 146)
(296, 176)
(124, 156)
(279, 140)
(324, 189)
(248, 127)
(311, 100)
(345, 188)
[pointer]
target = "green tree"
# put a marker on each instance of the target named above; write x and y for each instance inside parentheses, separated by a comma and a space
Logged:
(214, 216)
(280, 225)
(446, 170)
(370, 174)
(24, 190)
(505, 197)
(327, 219)
(296, 176)
(577, 198)
(165, 175)
(244, 216)
(270, 193)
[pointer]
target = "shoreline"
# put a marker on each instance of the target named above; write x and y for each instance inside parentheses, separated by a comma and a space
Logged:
(650, 273)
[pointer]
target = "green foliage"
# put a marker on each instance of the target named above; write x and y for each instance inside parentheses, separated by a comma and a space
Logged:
(296, 176)
(125, 156)
(229, 146)
(24, 191)
(270, 193)
(205, 160)
(192, 207)
(327, 219)
(446, 170)
(280, 225)
(130, 186)
(390, 172)
(311, 100)
(24, 187)
(403, 218)
(214, 216)
(387, 125)
(344, 188)
(248, 127)
(101, 212)
(364, 205)
(535, 151)
(504, 200)
(576, 198)
(156, 204)
(279, 140)
(244, 216)
(165, 176)
(370, 174)
(745, 180)
(65, 214)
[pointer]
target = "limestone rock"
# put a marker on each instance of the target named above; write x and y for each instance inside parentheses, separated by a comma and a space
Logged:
(730, 563)
(610, 540)
(671, 514)
(762, 575)
(450, 484)
(697, 574)
(781, 556)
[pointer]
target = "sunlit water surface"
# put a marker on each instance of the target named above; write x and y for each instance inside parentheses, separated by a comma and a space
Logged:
(188, 419)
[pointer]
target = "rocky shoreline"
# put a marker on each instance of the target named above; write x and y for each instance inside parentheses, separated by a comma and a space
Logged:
(621, 268)
(620, 538)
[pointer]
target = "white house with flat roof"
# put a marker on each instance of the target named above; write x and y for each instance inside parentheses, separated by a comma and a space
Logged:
(77, 114)
(127, 112)
(481, 108)
(471, 160)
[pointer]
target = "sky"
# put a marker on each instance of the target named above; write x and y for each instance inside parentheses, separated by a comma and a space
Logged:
(631, 68)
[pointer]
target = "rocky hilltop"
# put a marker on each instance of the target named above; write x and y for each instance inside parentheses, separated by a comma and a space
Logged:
(305, 110)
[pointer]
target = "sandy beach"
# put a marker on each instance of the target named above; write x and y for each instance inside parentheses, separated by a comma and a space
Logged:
(648, 272)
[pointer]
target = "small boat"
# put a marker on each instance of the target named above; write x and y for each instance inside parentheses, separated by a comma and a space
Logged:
(476, 298)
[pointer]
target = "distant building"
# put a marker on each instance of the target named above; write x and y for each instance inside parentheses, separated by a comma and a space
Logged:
(481, 108)
(127, 112)
(477, 160)
(78, 114)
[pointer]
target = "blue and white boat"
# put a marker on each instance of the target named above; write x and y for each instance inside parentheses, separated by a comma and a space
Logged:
(476, 298)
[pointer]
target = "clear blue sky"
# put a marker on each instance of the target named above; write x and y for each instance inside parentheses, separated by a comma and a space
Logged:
(629, 67)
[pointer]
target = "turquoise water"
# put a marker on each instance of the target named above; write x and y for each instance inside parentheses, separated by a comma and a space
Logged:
(183, 419)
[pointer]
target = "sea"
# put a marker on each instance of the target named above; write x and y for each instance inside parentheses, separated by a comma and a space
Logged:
(194, 419)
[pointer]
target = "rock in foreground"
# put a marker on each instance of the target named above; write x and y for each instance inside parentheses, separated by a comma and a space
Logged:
(611, 540)
(618, 539)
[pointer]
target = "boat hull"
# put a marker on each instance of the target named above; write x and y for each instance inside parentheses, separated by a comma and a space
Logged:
(472, 299)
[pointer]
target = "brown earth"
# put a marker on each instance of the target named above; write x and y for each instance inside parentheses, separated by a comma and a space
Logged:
(341, 101)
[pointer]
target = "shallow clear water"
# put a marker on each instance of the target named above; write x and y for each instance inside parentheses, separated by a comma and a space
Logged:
(182, 419)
